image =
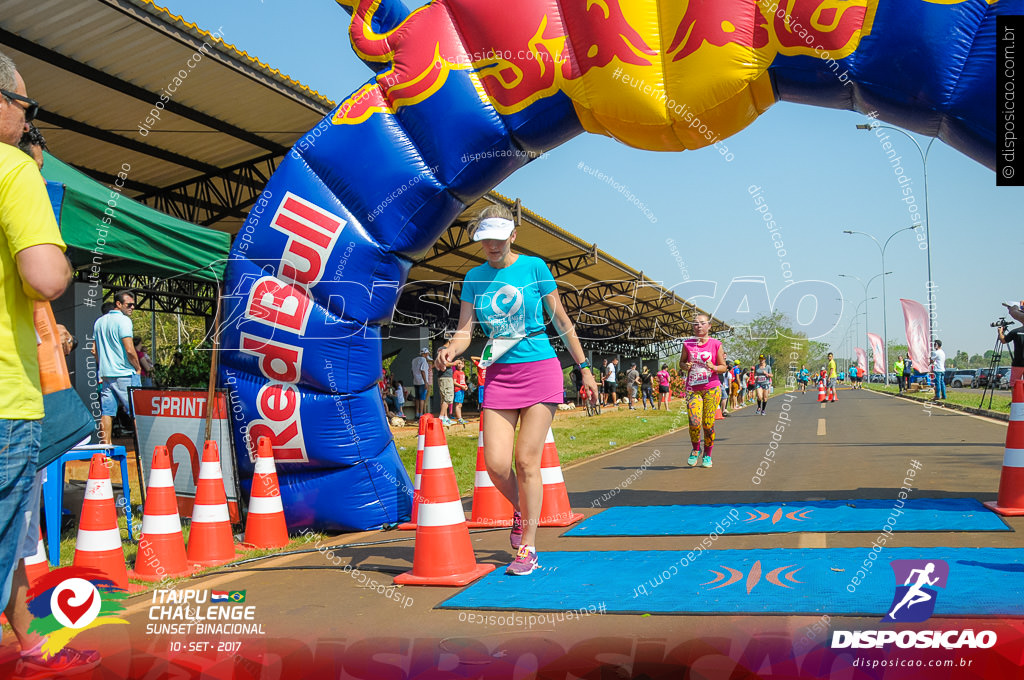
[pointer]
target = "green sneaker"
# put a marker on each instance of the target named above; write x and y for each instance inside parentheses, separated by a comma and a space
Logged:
(692, 460)
(707, 461)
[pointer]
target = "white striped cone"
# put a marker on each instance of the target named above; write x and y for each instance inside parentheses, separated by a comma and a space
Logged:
(265, 526)
(99, 540)
(1011, 482)
(411, 524)
(161, 547)
(210, 541)
(556, 511)
(444, 553)
(490, 507)
(37, 565)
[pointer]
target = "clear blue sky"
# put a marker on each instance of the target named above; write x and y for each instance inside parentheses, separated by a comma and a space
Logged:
(818, 174)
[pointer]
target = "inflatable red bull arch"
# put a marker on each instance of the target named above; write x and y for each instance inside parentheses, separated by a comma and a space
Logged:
(468, 91)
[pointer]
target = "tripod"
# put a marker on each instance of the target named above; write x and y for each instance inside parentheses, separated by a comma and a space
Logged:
(997, 355)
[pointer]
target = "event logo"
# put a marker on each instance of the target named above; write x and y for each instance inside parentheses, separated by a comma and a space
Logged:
(914, 600)
(752, 577)
(72, 600)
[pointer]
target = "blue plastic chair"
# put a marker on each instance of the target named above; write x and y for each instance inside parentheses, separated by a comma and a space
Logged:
(53, 491)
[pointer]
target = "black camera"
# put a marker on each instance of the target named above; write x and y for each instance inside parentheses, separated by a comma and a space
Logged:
(1001, 323)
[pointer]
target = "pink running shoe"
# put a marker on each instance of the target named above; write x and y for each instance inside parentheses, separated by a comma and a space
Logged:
(525, 562)
(66, 663)
(516, 536)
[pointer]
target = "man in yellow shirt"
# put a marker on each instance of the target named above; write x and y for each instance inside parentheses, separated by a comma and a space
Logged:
(832, 375)
(32, 267)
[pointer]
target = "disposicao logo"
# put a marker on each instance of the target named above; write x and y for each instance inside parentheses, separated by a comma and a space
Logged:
(71, 600)
(914, 601)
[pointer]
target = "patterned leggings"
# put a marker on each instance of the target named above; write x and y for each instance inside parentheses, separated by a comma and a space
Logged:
(701, 407)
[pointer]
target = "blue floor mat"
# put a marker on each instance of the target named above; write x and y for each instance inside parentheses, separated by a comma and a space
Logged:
(918, 514)
(981, 582)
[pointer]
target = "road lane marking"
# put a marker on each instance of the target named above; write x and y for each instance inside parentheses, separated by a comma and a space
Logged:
(821, 427)
(811, 540)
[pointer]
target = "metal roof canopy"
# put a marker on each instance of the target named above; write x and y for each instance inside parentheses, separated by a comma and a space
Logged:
(614, 307)
(98, 68)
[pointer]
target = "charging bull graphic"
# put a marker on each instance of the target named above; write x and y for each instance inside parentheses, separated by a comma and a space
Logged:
(468, 91)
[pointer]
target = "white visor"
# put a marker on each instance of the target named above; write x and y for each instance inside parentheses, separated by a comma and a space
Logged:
(497, 228)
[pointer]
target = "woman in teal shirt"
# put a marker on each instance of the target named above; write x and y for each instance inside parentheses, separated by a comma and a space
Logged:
(510, 296)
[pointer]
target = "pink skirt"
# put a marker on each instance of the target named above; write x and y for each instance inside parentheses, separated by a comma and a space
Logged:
(516, 386)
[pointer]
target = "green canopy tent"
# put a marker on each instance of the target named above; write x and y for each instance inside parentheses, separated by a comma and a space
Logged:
(104, 228)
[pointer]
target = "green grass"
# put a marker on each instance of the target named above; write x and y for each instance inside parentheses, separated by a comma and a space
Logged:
(576, 437)
(1000, 402)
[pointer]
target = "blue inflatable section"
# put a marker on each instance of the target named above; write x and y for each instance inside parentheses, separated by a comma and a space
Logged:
(927, 67)
(320, 262)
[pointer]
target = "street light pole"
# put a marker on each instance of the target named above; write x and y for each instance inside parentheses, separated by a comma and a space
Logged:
(927, 223)
(866, 285)
(858, 312)
(885, 317)
(851, 276)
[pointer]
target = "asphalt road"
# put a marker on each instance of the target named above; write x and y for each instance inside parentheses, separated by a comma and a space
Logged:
(319, 620)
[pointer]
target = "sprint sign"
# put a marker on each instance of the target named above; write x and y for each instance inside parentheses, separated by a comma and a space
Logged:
(177, 419)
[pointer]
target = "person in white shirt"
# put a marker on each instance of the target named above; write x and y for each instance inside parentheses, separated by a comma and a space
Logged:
(939, 369)
(609, 382)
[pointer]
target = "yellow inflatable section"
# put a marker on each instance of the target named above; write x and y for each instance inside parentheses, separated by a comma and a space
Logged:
(701, 72)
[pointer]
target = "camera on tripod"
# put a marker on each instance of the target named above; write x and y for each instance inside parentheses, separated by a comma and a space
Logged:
(1001, 323)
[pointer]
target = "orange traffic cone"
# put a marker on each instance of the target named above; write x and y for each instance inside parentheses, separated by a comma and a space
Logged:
(411, 524)
(821, 391)
(210, 541)
(37, 565)
(444, 553)
(265, 527)
(1011, 483)
(555, 511)
(490, 507)
(161, 546)
(99, 540)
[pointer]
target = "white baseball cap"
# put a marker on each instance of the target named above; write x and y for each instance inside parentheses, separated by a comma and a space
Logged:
(497, 228)
(425, 350)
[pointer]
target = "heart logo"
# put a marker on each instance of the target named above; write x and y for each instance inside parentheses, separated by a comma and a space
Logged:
(73, 612)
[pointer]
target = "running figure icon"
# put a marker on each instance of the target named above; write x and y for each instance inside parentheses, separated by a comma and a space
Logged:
(915, 594)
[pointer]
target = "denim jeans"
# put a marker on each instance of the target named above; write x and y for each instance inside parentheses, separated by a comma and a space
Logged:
(114, 390)
(19, 451)
(940, 384)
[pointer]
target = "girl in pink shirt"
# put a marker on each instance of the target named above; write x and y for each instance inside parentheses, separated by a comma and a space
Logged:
(664, 391)
(703, 359)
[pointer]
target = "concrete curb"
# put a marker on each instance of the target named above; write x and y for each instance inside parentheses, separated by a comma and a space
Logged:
(984, 413)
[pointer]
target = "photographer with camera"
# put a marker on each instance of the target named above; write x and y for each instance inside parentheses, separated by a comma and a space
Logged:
(1015, 311)
(1014, 336)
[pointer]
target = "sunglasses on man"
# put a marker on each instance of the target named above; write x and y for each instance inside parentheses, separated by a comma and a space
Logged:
(32, 106)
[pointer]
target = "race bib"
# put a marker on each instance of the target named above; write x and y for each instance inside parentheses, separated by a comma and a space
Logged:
(698, 376)
(495, 349)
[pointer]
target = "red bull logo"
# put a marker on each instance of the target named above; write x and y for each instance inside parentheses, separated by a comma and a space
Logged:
(718, 23)
(789, 26)
(519, 53)
(283, 302)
